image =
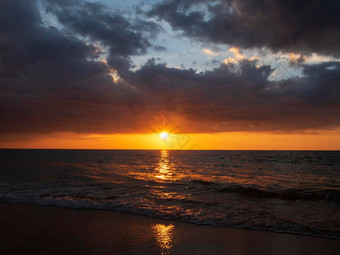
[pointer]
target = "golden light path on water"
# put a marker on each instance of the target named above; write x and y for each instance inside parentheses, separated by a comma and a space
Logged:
(164, 166)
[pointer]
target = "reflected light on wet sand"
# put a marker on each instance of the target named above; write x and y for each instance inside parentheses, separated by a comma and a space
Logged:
(164, 235)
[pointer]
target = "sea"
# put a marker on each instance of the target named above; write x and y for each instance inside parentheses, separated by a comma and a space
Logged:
(282, 191)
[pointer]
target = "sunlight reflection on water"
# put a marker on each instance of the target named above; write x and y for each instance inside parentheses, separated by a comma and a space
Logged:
(164, 236)
(164, 166)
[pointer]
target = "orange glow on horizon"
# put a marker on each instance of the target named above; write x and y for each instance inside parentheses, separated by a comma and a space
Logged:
(323, 140)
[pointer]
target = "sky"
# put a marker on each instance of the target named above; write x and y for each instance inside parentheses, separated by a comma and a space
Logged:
(218, 74)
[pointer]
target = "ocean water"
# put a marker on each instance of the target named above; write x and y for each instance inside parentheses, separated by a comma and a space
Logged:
(282, 191)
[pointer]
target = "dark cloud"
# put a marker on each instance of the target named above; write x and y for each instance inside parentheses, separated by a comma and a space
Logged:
(231, 98)
(51, 80)
(298, 26)
(123, 37)
(159, 48)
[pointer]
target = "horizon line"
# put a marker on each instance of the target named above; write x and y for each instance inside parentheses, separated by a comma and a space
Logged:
(169, 149)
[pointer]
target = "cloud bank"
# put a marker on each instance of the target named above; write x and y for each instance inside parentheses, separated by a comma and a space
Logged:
(280, 25)
(60, 78)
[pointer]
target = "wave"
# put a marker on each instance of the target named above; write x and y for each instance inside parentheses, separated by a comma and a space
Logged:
(204, 183)
(77, 202)
(332, 195)
(79, 197)
(289, 194)
(195, 201)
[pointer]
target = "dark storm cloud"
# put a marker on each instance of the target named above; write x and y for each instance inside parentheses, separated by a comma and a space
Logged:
(299, 26)
(231, 98)
(159, 48)
(123, 37)
(52, 80)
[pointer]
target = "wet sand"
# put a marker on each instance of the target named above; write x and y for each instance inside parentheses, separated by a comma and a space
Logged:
(30, 229)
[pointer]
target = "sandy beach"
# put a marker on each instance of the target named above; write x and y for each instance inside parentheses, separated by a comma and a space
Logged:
(31, 229)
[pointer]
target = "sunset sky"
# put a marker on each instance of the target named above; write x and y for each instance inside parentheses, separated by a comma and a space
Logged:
(221, 74)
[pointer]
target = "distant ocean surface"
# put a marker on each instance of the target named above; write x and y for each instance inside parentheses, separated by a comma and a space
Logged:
(282, 191)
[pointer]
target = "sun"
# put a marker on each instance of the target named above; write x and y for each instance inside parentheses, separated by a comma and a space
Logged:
(164, 135)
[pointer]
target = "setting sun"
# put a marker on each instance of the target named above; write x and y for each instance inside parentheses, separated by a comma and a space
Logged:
(164, 135)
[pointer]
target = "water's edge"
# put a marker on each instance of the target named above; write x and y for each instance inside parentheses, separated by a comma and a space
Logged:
(188, 222)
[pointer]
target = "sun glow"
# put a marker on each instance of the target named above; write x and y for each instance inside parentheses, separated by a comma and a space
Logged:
(322, 140)
(164, 135)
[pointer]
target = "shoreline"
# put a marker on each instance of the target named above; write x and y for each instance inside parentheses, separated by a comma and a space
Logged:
(36, 229)
(180, 221)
